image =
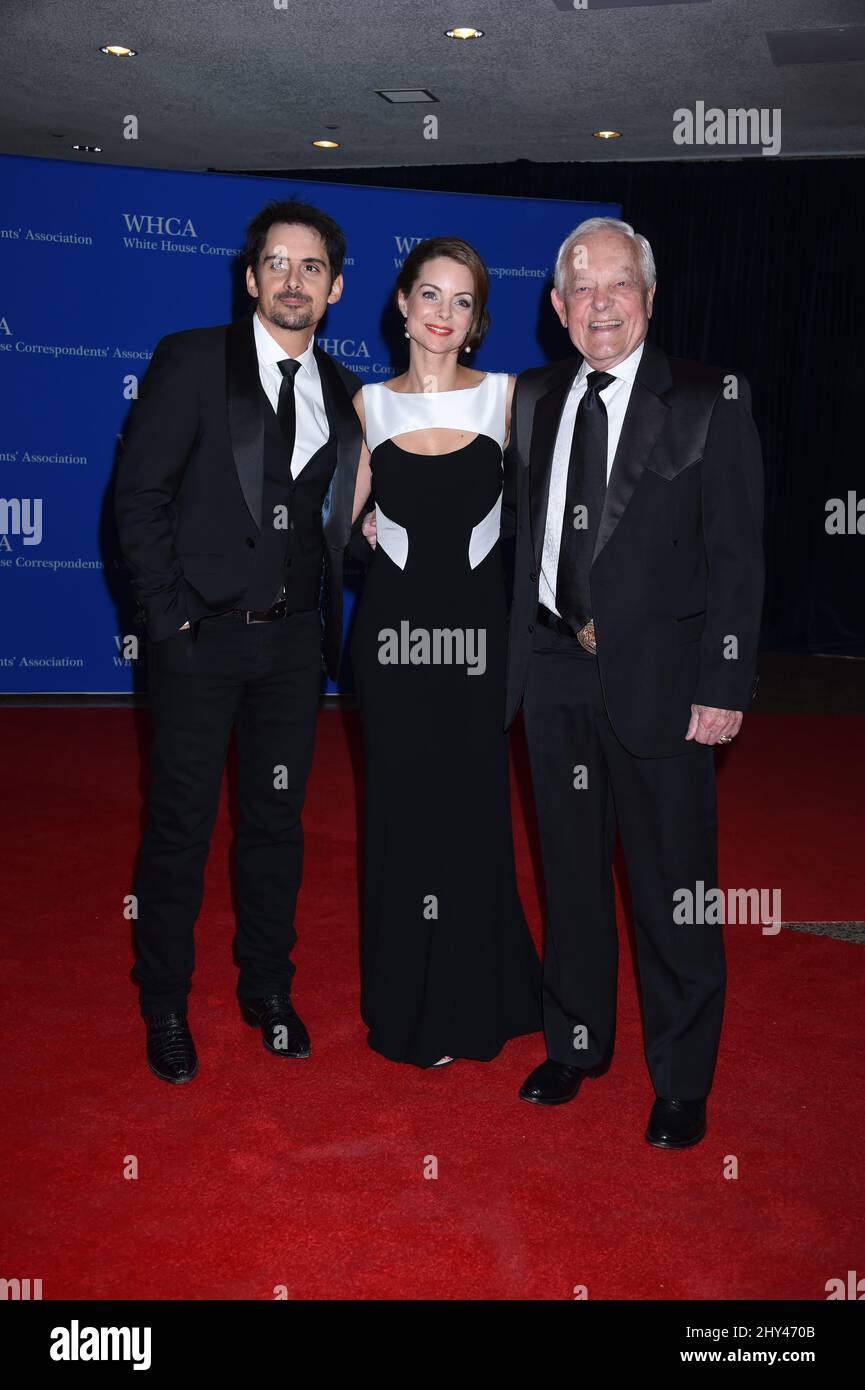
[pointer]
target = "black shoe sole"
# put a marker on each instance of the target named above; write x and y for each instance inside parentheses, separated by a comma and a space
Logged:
(281, 1052)
(675, 1144)
(173, 1080)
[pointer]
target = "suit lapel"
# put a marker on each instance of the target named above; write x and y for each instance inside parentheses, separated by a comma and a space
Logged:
(645, 417)
(246, 429)
(345, 427)
(545, 427)
(245, 422)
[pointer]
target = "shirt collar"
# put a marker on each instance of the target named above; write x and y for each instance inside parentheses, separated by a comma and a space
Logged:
(270, 351)
(627, 369)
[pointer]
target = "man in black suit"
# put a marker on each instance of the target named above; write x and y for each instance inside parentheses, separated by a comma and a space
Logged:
(234, 502)
(635, 486)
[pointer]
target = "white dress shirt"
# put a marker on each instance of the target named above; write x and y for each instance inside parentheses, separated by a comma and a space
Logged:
(615, 398)
(312, 428)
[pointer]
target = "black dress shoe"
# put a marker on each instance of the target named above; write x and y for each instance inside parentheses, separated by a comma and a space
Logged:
(282, 1031)
(171, 1052)
(552, 1083)
(676, 1124)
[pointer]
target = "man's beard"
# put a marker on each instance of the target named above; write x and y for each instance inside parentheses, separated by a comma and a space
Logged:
(292, 319)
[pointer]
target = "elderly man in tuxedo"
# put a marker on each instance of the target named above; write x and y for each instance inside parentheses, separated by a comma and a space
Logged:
(635, 488)
(234, 501)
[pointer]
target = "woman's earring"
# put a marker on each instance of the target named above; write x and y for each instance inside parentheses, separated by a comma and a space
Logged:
(405, 320)
(467, 349)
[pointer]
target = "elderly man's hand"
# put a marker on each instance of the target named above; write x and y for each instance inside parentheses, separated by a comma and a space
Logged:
(368, 528)
(710, 725)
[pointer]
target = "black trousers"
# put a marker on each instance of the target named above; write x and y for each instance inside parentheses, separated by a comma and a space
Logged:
(263, 680)
(664, 810)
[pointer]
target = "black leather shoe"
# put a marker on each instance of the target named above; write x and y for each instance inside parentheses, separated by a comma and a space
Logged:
(676, 1124)
(171, 1052)
(552, 1083)
(282, 1031)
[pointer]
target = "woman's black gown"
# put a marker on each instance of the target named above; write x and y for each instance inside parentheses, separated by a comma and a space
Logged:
(448, 965)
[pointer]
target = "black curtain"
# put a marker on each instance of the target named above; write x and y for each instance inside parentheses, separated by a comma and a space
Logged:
(761, 270)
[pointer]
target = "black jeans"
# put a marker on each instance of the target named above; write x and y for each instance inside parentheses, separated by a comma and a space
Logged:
(263, 680)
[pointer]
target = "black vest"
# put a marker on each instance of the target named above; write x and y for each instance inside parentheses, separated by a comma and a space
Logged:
(290, 547)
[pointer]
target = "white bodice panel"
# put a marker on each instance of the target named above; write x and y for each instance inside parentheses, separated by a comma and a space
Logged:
(478, 410)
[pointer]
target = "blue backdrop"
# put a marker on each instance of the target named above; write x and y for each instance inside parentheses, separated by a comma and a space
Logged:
(96, 264)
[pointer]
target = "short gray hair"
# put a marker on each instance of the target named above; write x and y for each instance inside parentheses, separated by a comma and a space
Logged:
(604, 224)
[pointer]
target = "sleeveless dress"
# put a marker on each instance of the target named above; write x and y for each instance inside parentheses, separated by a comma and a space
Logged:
(448, 966)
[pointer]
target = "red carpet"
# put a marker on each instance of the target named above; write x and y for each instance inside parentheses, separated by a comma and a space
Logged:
(310, 1174)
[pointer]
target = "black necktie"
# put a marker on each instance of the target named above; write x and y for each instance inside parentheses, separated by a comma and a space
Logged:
(285, 409)
(584, 502)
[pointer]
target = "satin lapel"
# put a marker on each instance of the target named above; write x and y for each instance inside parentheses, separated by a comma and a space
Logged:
(545, 426)
(644, 419)
(245, 422)
(345, 427)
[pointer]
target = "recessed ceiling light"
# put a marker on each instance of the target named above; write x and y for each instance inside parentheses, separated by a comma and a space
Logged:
(607, 134)
(88, 149)
(465, 31)
(118, 50)
(326, 144)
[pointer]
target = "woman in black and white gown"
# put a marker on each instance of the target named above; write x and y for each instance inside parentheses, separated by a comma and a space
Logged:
(448, 965)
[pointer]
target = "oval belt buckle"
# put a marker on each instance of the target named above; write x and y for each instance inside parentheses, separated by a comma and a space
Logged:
(586, 637)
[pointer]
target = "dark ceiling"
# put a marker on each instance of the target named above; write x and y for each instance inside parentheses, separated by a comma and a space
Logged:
(249, 84)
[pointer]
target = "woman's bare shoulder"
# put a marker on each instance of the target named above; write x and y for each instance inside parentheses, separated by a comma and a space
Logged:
(473, 378)
(396, 384)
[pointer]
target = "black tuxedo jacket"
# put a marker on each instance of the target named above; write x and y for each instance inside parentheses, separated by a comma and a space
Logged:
(678, 563)
(190, 480)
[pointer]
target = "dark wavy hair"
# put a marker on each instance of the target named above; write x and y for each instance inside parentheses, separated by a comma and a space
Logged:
(456, 250)
(295, 213)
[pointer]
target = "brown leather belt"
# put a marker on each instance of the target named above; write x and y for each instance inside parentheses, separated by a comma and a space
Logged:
(585, 636)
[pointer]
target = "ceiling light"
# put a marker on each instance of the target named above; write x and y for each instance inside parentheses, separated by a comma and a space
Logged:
(88, 149)
(607, 134)
(399, 95)
(326, 144)
(118, 50)
(465, 31)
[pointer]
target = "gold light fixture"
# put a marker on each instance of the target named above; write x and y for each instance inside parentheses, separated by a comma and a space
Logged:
(464, 31)
(607, 134)
(326, 144)
(118, 50)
